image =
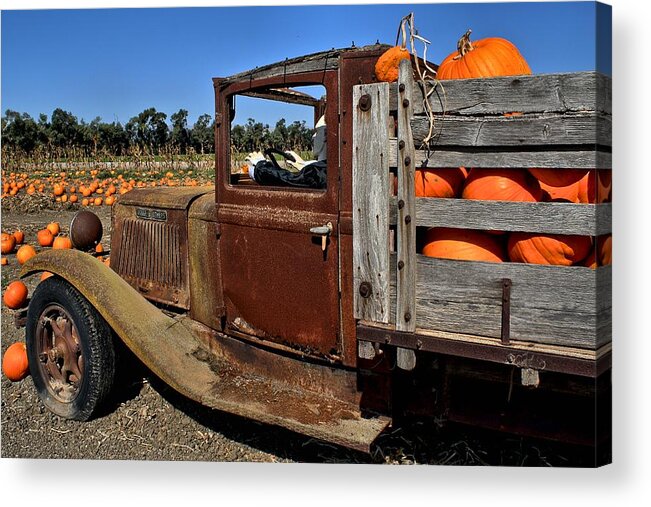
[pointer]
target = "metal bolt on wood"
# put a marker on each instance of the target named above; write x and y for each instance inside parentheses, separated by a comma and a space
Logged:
(401, 204)
(407, 317)
(401, 145)
(365, 102)
(408, 219)
(401, 87)
(401, 264)
(405, 102)
(365, 289)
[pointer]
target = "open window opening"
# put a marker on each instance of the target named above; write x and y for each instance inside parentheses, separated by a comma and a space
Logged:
(278, 138)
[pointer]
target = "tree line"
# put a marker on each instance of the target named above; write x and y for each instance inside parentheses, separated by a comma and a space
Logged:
(147, 132)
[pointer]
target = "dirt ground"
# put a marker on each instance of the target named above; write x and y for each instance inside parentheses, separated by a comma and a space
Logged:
(146, 420)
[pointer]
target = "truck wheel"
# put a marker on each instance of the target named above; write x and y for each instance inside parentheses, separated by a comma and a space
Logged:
(69, 349)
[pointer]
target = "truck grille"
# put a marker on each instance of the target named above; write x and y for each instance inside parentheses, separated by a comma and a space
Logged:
(151, 256)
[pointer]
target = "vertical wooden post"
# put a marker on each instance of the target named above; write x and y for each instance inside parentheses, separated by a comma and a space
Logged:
(406, 227)
(371, 202)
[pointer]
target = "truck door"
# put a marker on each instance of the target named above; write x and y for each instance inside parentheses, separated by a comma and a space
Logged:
(278, 244)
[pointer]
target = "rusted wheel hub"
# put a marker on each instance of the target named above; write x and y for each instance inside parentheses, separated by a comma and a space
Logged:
(59, 351)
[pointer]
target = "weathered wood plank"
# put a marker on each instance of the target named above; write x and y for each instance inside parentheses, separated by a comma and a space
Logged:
(406, 211)
(565, 92)
(527, 130)
(543, 217)
(568, 306)
(443, 156)
(371, 203)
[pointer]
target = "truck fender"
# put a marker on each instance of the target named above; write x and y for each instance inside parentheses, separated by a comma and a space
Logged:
(166, 346)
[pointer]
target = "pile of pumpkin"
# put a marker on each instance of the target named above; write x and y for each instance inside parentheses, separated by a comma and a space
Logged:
(14, 363)
(15, 297)
(86, 188)
(532, 185)
(48, 237)
(492, 57)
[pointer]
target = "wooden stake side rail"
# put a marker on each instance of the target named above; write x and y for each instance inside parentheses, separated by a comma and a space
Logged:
(543, 217)
(562, 121)
(556, 305)
(541, 93)
(549, 157)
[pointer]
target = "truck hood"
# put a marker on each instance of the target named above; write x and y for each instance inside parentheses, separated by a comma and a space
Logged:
(165, 197)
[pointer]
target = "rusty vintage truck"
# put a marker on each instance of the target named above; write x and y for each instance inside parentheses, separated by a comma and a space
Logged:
(310, 308)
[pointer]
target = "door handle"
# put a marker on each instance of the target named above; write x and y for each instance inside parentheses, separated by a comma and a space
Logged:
(324, 231)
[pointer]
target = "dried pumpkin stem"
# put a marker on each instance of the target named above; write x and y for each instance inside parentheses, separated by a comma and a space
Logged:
(464, 45)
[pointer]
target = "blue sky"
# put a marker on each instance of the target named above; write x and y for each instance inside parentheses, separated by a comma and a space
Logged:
(114, 63)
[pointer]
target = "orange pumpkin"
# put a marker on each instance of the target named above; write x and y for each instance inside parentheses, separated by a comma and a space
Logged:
(19, 236)
(109, 200)
(501, 185)
(74, 198)
(556, 249)
(488, 57)
(62, 243)
(558, 177)
(591, 260)
(569, 193)
(595, 187)
(25, 253)
(605, 249)
(438, 182)
(463, 244)
(4, 261)
(45, 237)
(46, 275)
(16, 295)
(8, 243)
(54, 228)
(15, 365)
(386, 67)
(99, 248)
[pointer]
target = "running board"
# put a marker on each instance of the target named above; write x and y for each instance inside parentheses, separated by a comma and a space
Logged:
(275, 402)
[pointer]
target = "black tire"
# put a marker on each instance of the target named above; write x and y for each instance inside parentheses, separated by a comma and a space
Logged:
(94, 356)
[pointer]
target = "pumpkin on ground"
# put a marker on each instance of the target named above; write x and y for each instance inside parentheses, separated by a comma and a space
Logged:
(463, 244)
(438, 182)
(54, 228)
(45, 237)
(4, 261)
(387, 65)
(25, 253)
(555, 249)
(15, 295)
(501, 185)
(19, 236)
(62, 243)
(14, 363)
(8, 243)
(46, 275)
(492, 56)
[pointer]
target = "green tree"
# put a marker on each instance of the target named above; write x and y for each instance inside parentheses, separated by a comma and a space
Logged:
(148, 129)
(19, 130)
(65, 129)
(203, 134)
(180, 135)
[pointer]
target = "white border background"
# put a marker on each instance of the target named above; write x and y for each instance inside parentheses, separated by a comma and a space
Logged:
(626, 482)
